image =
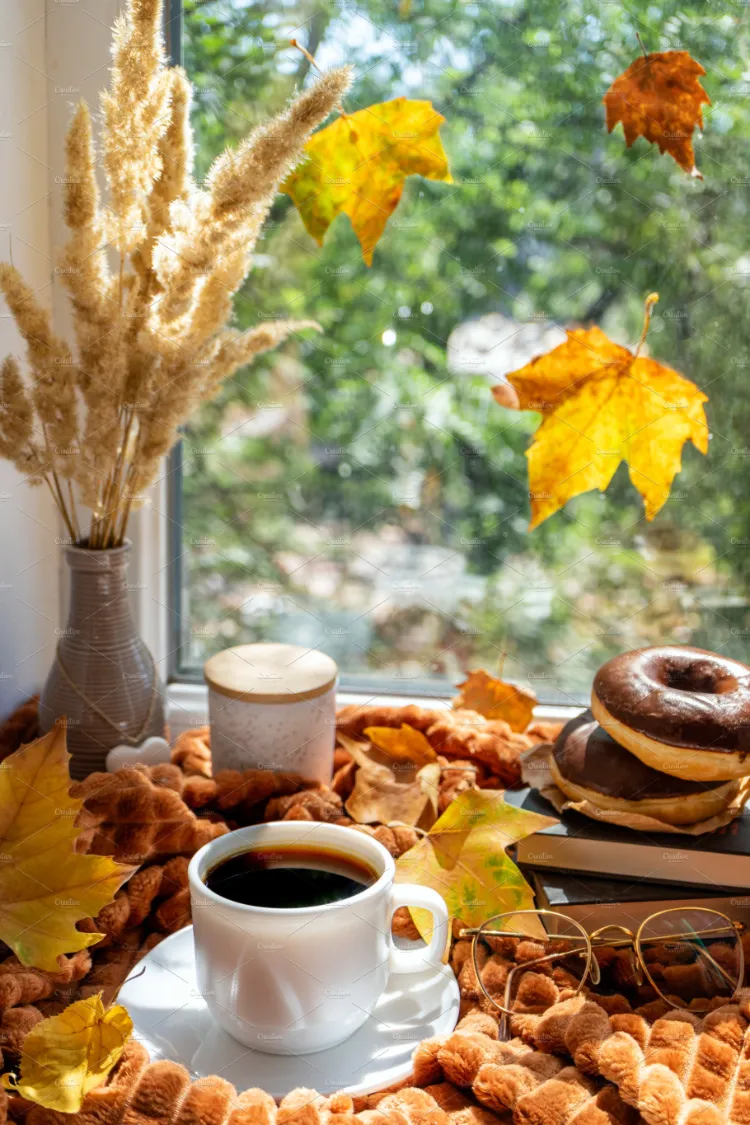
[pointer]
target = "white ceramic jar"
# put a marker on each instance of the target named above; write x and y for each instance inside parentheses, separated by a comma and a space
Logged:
(272, 706)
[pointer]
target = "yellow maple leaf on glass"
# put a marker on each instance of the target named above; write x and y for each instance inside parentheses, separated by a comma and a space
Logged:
(358, 164)
(602, 404)
(463, 858)
(45, 886)
(66, 1056)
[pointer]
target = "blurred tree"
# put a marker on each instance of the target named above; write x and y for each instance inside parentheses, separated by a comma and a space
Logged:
(361, 493)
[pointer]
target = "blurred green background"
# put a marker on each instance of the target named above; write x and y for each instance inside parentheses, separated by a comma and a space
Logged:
(361, 491)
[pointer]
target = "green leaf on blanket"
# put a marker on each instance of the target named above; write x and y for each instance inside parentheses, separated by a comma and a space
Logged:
(463, 858)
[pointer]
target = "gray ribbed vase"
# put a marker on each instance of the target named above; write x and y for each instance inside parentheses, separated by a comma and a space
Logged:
(103, 677)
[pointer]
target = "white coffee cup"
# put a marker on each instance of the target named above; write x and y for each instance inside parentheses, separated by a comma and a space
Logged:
(304, 979)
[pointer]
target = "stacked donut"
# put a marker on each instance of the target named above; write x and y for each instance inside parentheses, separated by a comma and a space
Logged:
(668, 735)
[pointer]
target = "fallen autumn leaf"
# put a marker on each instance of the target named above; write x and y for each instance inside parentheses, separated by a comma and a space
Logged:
(45, 886)
(387, 790)
(463, 858)
(495, 699)
(67, 1055)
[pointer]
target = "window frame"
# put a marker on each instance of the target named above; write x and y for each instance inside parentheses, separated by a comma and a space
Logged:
(173, 30)
(173, 14)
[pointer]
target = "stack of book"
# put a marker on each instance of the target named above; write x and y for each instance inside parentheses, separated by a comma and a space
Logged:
(584, 867)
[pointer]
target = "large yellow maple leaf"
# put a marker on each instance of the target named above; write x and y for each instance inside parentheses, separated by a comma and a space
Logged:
(45, 887)
(603, 404)
(358, 164)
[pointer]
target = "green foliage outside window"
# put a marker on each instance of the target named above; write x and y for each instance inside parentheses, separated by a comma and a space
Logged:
(360, 490)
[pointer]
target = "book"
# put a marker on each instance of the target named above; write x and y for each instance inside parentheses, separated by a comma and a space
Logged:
(576, 843)
(596, 901)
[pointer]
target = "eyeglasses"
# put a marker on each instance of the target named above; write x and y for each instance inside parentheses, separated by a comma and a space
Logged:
(691, 958)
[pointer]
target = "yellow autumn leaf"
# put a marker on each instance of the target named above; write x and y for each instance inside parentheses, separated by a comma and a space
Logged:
(66, 1056)
(358, 164)
(388, 790)
(403, 743)
(602, 404)
(463, 858)
(45, 887)
(495, 699)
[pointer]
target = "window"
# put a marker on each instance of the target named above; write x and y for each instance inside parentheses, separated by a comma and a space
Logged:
(361, 491)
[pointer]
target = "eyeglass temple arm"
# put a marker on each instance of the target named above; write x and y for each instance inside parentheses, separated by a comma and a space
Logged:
(615, 943)
(596, 939)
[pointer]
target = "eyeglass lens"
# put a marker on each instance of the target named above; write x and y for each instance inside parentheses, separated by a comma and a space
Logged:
(524, 959)
(692, 957)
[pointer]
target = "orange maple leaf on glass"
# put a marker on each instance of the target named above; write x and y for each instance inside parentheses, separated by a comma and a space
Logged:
(659, 97)
(603, 404)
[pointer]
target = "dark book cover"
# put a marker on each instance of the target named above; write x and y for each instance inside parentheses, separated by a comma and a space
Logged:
(720, 858)
(560, 890)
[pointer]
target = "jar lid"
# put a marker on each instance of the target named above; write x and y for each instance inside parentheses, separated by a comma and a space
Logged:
(270, 673)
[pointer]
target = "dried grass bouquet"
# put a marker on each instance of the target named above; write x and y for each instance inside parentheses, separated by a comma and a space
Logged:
(151, 274)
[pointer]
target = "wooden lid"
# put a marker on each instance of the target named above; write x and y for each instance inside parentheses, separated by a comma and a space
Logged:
(270, 673)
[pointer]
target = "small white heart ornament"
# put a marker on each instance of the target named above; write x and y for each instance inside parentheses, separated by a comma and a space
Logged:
(152, 752)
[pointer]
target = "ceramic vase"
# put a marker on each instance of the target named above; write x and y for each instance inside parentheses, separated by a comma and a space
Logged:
(103, 679)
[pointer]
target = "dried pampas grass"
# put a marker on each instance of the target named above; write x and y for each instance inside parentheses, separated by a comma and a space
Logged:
(151, 273)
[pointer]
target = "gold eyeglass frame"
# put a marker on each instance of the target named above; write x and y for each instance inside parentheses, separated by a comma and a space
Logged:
(598, 938)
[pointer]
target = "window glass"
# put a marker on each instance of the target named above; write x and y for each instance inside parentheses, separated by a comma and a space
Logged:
(360, 490)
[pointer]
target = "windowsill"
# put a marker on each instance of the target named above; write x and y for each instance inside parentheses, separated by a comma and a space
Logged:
(187, 705)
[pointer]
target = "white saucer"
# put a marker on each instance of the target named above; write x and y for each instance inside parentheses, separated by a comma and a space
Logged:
(172, 1021)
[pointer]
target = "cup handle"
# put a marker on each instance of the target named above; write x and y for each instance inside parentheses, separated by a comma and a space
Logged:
(417, 960)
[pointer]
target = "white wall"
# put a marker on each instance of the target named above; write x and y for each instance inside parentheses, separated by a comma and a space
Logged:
(29, 582)
(52, 52)
(77, 61)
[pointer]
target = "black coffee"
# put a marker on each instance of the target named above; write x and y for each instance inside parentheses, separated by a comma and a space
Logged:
(286, 877)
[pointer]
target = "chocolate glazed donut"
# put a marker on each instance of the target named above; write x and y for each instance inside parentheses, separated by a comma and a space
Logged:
(589, 765)
(681, 710)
